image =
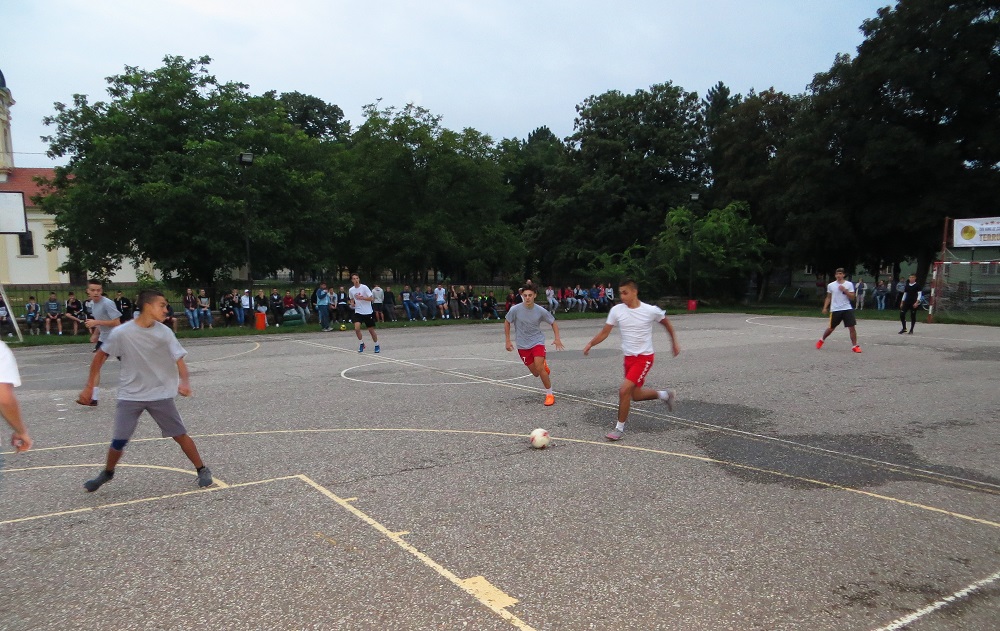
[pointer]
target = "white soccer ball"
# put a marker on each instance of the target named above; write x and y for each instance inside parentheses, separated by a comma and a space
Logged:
(539, 438)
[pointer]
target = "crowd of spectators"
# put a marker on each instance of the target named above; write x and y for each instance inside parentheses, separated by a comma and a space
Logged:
(329, 306)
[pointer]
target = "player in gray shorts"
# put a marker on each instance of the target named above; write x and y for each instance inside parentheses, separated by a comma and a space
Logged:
(153, 372)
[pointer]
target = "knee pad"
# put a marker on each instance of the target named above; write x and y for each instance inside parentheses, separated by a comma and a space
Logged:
(118, 444)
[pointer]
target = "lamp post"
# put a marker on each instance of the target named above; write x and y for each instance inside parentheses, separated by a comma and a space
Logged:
(694, 199)
(245, 160)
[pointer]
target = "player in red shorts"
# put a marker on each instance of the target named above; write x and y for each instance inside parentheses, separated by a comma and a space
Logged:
(635, 320)
(527, 318)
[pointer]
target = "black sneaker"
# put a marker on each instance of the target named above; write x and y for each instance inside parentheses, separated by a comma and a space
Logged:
(96, 483)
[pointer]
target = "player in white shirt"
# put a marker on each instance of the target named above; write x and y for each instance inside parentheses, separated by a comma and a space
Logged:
(839, 298)
(10, 409)
(361, 301)
(635, 320)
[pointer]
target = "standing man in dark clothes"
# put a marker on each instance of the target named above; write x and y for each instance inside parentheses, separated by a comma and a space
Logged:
(909, 301)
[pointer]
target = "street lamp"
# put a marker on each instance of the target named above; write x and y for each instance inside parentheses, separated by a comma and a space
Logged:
(245, 160)
(694, 199)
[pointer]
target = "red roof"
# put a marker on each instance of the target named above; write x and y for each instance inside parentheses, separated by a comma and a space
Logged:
(23, 180)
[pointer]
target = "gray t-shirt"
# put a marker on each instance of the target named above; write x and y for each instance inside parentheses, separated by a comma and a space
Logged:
(149, 361)
(527, 325)
(105, 309)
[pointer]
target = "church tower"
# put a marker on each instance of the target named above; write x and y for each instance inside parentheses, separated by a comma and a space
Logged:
(6, 144)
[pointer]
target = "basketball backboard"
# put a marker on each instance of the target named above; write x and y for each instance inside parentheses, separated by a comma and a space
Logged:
(13, 219)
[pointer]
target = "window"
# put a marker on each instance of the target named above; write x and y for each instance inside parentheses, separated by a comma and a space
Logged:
(26, 242)
(808, 270)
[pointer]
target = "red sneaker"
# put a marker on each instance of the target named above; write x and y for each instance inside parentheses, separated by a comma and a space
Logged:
(856, 349)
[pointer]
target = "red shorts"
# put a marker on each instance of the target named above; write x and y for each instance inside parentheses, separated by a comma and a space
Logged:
(528, 355)
(637, 367)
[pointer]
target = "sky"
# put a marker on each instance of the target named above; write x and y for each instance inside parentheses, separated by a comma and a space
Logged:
(503, 67)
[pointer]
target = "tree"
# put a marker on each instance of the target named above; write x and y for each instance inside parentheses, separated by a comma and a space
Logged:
(903, 134)
(152, 175)
(631, 158)
(315, 117)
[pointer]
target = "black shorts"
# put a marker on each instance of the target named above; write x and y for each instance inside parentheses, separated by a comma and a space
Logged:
(846, 316)
(368, 319)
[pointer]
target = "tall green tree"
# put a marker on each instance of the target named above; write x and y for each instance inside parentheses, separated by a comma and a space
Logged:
(152, 175)
(904, 134)
(632, 157)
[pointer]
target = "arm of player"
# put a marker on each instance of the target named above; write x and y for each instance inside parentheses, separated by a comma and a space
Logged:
(93, 377)
(184, 387)
(826, 303)
(600, 337)
(506, 335)
(673, 337)
(558, 342)
(11, 411)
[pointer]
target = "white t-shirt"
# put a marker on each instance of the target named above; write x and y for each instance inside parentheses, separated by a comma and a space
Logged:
(8, 367)
(636, 326)
(149, 361)
(361, 307)
(439, 294)
(839, 300)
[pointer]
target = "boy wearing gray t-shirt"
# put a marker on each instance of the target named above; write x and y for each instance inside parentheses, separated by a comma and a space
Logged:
(526, 318)
(153, 372)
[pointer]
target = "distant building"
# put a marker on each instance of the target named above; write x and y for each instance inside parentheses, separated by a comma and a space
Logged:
(24, 259)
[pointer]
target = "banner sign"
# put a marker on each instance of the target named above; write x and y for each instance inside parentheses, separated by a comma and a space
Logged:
(971, 233)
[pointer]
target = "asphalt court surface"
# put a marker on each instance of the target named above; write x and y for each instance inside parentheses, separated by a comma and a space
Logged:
(790, 488)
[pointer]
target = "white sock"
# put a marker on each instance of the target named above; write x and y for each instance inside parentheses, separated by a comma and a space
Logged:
(663, 394)
(548, 391)
(97, 391)
(620, 427)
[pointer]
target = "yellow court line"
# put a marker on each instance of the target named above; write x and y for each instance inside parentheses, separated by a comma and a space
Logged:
(396, 537)
(477, 588)
(959, 482)
(661, 452)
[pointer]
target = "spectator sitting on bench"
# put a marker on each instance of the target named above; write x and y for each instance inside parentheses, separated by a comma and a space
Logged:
(33, 316)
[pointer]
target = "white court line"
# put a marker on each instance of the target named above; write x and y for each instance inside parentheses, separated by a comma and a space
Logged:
(901, 623)
(892, 466)
(343, 373)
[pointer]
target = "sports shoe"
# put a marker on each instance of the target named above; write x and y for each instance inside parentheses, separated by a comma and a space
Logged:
(819, 344)
(550, 399)
(902, 330)
(856, 349)
(361, 347)
(93, 403)
(670, 400)
(378, 349)
(96, 483)
(910, 332)
(205, 477)
(545, 365)
(615, 434)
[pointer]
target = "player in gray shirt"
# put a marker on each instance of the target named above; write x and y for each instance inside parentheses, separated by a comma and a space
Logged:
(104, 316)
(527, 318)
(153, 372)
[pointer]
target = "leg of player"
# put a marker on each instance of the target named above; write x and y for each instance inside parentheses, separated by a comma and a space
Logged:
(539, 369)
(114, 455)
(191, 451)
(370, 325)
(357, 331)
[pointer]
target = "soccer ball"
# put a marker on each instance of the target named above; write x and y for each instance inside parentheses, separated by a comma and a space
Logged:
(343, 327)
(539, 438)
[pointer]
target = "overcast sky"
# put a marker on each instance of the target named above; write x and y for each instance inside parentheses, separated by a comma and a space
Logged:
(502, 67)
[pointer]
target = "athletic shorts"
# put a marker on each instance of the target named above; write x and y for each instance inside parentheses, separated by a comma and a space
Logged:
(637, 367)
(528, 355)
(164, 412)
(846, 316)
(367, 318)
